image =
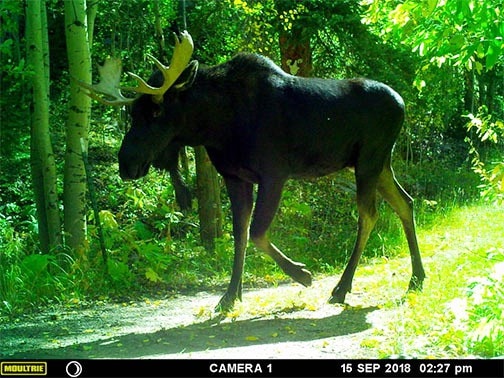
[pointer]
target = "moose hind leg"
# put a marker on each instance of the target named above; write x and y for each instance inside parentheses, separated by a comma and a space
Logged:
(368, 215)
(402, 204)
(268, 199)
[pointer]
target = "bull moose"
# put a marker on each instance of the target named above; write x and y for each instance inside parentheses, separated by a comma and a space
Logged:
(263, 126)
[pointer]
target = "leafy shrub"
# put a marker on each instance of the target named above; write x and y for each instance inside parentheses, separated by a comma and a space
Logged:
(476, 319)
(486, 310)
(491, 172)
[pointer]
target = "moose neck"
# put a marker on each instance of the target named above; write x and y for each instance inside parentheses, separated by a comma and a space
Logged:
(208, 111)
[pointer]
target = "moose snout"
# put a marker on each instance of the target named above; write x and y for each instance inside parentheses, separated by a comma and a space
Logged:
(134, 162)
(125, 173)
(133, 171)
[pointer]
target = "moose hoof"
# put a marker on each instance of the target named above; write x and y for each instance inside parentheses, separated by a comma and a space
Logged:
(337, 296)
(303, 276)
(415, 284)
(226, 303)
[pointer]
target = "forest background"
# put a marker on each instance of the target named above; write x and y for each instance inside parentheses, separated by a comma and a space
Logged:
(70, 230)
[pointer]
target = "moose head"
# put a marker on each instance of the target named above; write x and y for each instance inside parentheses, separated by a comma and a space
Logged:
(149, 136)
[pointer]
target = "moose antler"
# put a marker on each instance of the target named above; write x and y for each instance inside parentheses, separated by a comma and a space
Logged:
(180, 59)
(110, 76)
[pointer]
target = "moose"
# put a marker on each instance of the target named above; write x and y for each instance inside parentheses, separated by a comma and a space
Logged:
(262, 126)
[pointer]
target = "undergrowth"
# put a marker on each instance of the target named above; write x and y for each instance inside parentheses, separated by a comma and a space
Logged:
(460, 311)
(152, 246)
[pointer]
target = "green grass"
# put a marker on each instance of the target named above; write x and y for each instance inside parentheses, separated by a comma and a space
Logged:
(460, 311)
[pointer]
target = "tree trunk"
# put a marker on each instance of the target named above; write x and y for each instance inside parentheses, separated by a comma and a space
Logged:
(43, 166)
(296, 53)
(209, 203)
(207, 182)
(491, 79)
(158, 30)
(294, 43)
(469, 91)
(79, 108)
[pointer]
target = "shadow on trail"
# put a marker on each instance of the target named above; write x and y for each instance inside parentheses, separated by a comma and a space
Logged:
(210, 335)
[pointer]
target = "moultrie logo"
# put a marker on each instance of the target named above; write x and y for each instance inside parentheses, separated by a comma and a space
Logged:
(23, 368)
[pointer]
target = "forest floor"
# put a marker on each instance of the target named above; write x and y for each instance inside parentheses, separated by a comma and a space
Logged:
(287, 321)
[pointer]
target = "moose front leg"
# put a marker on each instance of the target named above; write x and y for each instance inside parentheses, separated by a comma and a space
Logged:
(240, 194)
(268, 199)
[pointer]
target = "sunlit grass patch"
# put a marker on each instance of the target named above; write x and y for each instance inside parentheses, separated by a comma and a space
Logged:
(463, 250)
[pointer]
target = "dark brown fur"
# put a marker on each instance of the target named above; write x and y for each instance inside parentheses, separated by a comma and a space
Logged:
(262, 126)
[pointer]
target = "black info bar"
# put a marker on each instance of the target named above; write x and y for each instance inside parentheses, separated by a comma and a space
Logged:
(253, 368)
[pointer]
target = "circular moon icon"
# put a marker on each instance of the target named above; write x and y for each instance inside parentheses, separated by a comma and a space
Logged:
(73, 369)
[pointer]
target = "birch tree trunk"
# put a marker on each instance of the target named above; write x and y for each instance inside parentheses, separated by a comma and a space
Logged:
(43, 166)
(77, 125)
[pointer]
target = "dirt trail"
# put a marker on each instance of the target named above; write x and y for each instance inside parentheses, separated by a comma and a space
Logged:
(288, 321)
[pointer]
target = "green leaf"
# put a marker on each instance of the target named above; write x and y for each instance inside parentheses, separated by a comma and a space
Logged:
(456, 42)
(419, 84)
(492, 55)
(152, 276)
(108, 219)
(118, 270)
(35, 264)
(142, 231)
(479, 67)
(431, 6)
(421, 49)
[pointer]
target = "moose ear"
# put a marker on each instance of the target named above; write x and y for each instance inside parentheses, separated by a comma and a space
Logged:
(186, 79)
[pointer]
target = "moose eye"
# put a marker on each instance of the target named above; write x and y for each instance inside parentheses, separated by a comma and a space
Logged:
(157, 112)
